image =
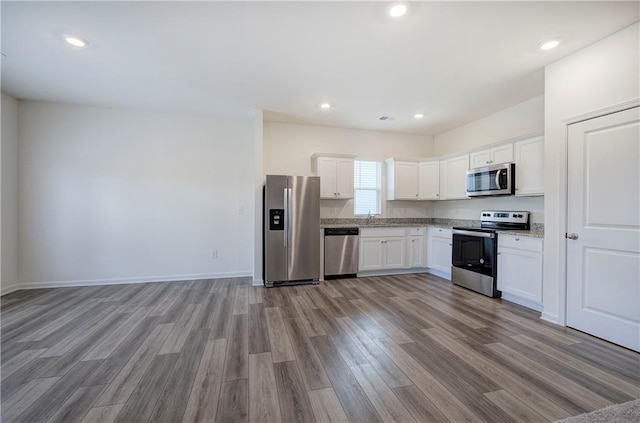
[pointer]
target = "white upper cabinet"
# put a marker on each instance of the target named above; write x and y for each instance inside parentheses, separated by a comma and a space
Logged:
(402, 179)
(344, 178)
(336, 176)
(453, 176)
(429, 180)
(530, 166)
(492, 156)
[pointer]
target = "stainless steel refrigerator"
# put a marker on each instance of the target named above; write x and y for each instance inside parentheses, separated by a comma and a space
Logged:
(291, 230)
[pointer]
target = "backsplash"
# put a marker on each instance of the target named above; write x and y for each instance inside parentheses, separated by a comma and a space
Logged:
(448, 209)
(470, 209)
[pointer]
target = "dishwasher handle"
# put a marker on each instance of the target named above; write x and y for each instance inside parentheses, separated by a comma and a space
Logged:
(341, 231)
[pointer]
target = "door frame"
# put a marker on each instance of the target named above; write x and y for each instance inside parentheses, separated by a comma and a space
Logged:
(564, 197)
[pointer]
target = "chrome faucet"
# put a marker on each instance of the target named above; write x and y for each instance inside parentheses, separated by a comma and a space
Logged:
(370, 217)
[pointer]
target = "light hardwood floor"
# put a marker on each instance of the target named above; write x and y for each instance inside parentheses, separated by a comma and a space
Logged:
(410, 348)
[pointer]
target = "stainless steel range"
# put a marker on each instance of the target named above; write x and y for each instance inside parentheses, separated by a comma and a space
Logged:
(475, 250)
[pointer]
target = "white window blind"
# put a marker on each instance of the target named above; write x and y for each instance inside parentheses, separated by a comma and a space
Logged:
(367, 177)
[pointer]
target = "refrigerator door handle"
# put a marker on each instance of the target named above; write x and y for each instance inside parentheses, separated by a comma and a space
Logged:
(286, 217)
(287, 222)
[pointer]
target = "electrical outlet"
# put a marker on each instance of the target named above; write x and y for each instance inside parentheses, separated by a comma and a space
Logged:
(214, 254)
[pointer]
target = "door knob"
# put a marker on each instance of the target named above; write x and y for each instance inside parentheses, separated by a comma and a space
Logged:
(572, 235)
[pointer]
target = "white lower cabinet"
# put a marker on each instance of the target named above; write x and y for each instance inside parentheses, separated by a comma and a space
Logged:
(416, 248)
(382, 248)
(439, 250)
(520, 270)
(393, 256)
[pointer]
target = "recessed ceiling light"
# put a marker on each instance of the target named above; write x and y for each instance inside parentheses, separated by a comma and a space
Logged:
(398, 10)
(418, 115)
(549, 44)
(325, 105)
(75, 41)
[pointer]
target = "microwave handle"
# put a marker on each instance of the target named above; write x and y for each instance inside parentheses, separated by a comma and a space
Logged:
(498, 179)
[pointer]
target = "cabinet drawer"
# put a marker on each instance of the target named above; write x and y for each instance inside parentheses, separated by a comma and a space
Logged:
(441, 232)
(416, 231)
(381, 232)
(520, 242)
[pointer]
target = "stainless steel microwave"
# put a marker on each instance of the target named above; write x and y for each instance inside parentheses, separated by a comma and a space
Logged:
(491, 180)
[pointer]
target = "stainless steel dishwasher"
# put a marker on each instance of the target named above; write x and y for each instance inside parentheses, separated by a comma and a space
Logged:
(341, 247)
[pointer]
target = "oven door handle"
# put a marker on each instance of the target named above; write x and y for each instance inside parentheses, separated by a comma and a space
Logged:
(474, 233)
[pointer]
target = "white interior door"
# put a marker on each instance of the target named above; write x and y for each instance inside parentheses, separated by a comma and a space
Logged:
(603, 263)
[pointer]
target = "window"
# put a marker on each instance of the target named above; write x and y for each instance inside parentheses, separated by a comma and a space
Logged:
(367, 176)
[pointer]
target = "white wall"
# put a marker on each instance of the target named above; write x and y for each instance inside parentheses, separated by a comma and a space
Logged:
(592, 80)
(512, 122)
(518, 120)
(112, 195)
(9, 212)
(288, 149)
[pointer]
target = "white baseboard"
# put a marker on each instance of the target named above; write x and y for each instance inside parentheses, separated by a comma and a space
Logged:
(443, 275)
(258, 282)
(553, 318)
(9, 289)
(123, 281)
(522, 301)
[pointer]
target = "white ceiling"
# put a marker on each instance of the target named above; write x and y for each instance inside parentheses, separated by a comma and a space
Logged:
(453, 61)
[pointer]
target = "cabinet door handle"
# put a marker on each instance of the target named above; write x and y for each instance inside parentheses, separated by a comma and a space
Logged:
(499, 253)
(450, 245)
(437, 195)
(517, 239)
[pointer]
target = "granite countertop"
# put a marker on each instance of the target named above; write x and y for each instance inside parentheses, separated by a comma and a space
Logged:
(537, 229)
